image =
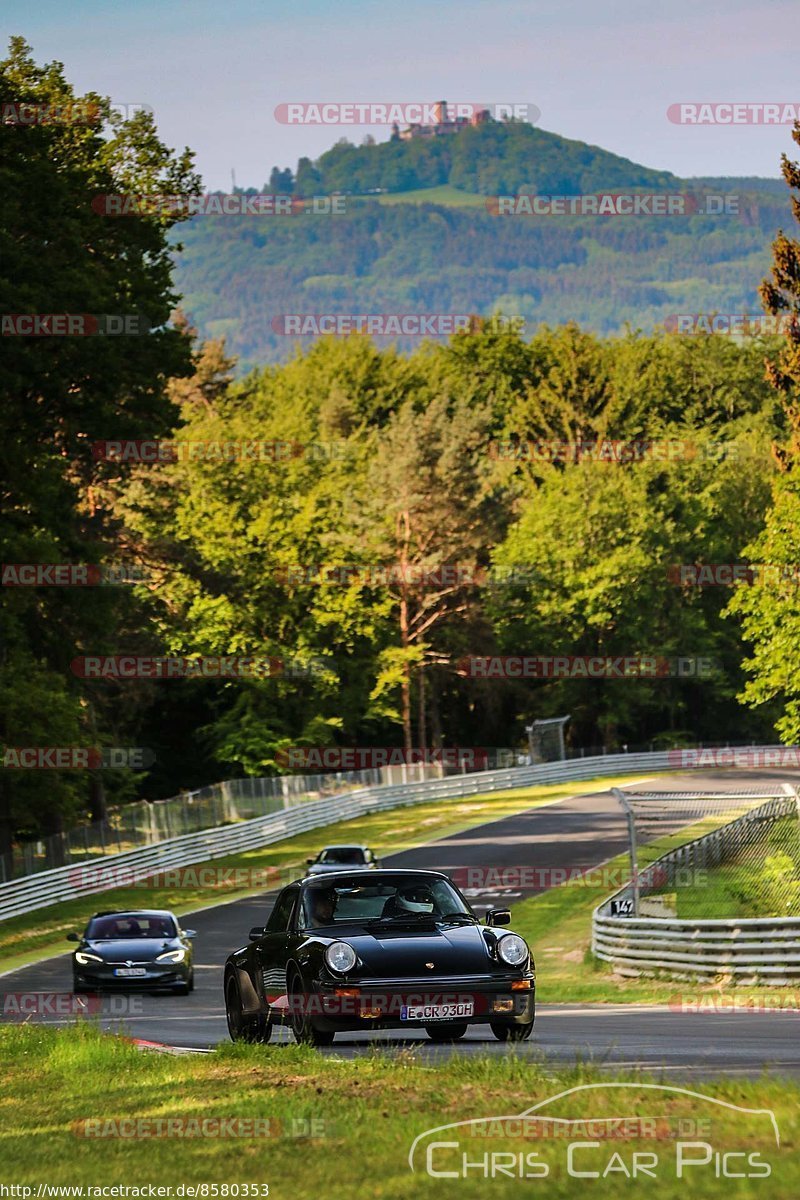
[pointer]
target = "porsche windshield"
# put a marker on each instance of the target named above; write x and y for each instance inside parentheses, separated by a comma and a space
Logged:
(399, 899)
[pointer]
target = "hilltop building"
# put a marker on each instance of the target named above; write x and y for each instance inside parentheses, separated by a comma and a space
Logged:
(442, 124)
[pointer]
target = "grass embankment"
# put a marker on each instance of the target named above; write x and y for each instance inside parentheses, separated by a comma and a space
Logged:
(558, 925)
(763, 880)
(445, 194)
(41, 933)
(363, 1119)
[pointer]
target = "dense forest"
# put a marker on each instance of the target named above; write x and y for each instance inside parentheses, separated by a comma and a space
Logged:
(369, 520)
(238, 277)
(445, 248)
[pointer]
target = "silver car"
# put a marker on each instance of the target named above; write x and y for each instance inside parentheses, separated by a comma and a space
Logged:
(342, 858)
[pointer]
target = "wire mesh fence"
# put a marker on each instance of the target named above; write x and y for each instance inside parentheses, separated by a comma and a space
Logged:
(145, 823)
(713, 855)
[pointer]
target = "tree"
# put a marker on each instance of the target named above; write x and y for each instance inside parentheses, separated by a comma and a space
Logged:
(586, 574)
(435, 519)
(59, 254)
(770, 608)
(281, 182)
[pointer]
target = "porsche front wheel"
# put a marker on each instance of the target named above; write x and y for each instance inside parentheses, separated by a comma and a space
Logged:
(304, 1030)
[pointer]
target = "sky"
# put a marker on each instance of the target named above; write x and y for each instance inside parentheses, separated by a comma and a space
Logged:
(599, 72)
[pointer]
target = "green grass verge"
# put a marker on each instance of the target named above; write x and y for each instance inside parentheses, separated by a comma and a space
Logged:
(445, 195)
(39, 934)
(558, 925)
(763, 880)
(363, 1117)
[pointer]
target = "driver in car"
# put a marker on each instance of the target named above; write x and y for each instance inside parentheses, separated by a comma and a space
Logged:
(415, 898)
(323, 903)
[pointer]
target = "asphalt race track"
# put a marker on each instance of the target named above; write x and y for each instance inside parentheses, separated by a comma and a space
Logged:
(580, 832)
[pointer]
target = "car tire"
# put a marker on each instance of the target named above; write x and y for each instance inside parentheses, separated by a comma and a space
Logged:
(183, 989)
(505, 1032)
(304, 1030)
(190, 981)
(241, 1028)
(450, 1032)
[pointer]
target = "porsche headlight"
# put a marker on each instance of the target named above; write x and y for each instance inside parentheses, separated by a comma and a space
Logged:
(171, 956)
(83, 958)
(340, 957)
(512, 950)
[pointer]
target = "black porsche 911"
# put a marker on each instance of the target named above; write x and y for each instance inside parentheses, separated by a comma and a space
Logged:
(146, 949)
(376, 950)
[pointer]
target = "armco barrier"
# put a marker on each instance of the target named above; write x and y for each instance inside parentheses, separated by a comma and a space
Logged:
(67, 883)
(760, 950)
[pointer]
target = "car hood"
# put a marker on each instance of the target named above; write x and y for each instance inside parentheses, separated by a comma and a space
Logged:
(136, 949)
(453, 949)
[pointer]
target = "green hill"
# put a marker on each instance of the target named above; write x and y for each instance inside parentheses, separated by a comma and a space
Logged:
(500, 157)
(429, 245)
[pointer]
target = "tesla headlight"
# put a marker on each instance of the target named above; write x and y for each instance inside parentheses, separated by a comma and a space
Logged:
(512, 950)
(171, 956)
(340, 957)
(83, 958)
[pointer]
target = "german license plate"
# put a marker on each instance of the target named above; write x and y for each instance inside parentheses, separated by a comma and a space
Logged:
(128, 971)
(437, 1012)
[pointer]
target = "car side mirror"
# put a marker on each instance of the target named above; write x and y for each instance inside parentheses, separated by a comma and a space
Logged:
(256, 933)
(73, 937)
(498, 916)
(189, 933)
(310, 862)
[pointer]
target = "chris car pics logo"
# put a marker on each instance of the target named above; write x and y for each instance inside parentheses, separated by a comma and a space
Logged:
(654, 1132)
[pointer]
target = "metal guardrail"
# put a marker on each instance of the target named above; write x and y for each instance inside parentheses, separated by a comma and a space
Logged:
(760, 950)
(67, 883)
(144, 822)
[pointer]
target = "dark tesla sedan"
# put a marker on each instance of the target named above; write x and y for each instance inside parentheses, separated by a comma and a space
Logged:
(376, 950)
(133, 950)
